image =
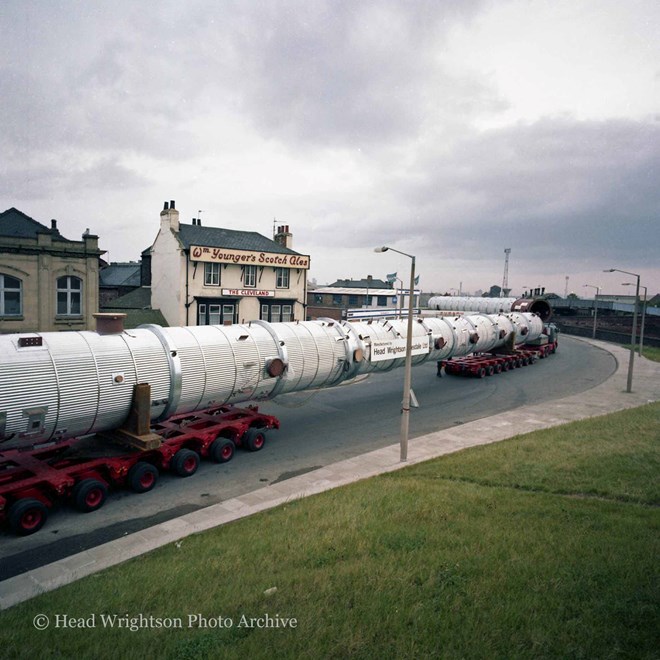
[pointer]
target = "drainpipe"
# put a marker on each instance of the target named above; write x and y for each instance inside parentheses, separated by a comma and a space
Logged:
(187, 304)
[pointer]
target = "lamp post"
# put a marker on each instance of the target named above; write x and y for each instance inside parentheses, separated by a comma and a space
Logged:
(641, 330)
(400, 298)
(631, 360)
(407, 378)
(593, 286)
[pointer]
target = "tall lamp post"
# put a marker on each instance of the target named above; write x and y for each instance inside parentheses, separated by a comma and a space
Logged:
(631, 360)
(400, 298)
(593, 286)
(407, 378)
(641, 330)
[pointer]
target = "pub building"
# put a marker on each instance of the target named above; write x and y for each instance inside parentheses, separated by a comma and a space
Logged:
(214, 276)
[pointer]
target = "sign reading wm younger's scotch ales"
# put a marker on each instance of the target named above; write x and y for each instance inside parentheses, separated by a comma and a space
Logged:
(249, 257)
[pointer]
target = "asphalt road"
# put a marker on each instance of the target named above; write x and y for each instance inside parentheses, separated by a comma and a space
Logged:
(317, 428)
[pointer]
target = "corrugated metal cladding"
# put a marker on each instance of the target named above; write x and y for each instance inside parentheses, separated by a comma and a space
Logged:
(538, 306)
(81, 382)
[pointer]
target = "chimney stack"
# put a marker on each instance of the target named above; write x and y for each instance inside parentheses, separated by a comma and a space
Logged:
(169, 217)
(53, 224)
(284, 236)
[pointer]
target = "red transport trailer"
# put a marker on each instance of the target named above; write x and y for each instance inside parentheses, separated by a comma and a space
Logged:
(480, 365)
(81, 470)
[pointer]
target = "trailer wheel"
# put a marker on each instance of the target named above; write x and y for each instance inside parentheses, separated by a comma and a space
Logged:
(481, 373)
(142, 477)
(498, 368)
(27, 516)
(491, 370)
(254, 439)
(185, 462)
(222, 450)
(89, 495)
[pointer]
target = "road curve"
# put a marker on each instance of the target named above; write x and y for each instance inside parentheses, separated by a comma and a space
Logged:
(317, 429)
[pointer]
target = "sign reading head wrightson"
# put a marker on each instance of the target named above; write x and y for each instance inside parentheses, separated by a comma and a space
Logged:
(248, 257)
(387, 349)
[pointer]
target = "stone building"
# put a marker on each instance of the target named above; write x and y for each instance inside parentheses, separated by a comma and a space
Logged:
(47, 282)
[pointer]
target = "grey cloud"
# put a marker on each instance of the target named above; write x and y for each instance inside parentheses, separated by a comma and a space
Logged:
(554, 190)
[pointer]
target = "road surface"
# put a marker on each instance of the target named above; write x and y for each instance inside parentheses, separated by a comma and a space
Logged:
(317, 428)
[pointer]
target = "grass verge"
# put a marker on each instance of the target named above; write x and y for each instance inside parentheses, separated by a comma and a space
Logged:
(649, 352)
(542, 546)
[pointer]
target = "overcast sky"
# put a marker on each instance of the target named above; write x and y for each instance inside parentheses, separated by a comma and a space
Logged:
(449, 130)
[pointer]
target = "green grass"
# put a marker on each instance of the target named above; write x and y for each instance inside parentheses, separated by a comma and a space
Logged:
(649, 352)
(542, 546)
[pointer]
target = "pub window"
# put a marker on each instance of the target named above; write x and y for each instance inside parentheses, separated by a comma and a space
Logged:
(250, 276)
(11, 296)
(276, 313)
(382, 301)
(352, 300)
(69, 296)
(212, 274)
(215, 313)
(282, 276)
(336, 299)
(201, 314)
(215, 316)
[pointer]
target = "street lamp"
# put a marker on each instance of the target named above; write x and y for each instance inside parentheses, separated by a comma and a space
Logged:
(631, 360)
(399, 313)
(407, 378)
(641, 330)
(593, 286)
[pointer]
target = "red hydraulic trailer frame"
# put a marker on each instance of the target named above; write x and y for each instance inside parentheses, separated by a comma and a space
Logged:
(480, 365)
(81, 470)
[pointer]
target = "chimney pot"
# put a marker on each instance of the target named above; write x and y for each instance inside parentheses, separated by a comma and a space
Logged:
(53, 224)
(165, 206)
(172, 204)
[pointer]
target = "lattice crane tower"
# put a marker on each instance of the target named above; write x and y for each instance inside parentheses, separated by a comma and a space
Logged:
(505, 279)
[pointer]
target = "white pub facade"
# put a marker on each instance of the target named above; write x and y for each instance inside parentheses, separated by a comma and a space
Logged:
(216, 276)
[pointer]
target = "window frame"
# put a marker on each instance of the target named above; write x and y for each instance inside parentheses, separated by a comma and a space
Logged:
(212, 272)
(69, 291)
(282, 278)
(250, 276)
(4, 289)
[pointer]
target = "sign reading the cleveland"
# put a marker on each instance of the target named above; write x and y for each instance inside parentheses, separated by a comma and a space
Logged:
(248, 257)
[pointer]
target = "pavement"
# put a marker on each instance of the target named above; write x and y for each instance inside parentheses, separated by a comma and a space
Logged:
(607, 397)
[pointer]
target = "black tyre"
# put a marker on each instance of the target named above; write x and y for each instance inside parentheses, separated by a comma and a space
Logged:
(254, 439)
(185, 462)
(142, 477)
(222, 450)
(491, 370)
(89, 495)
(481, 373)
(27, 516)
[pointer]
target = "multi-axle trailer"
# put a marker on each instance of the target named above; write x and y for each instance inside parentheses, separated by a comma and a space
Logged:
(169, 392)
(81, 470)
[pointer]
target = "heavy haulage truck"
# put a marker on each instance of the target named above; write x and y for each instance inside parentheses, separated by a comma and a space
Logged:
(81, 412)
